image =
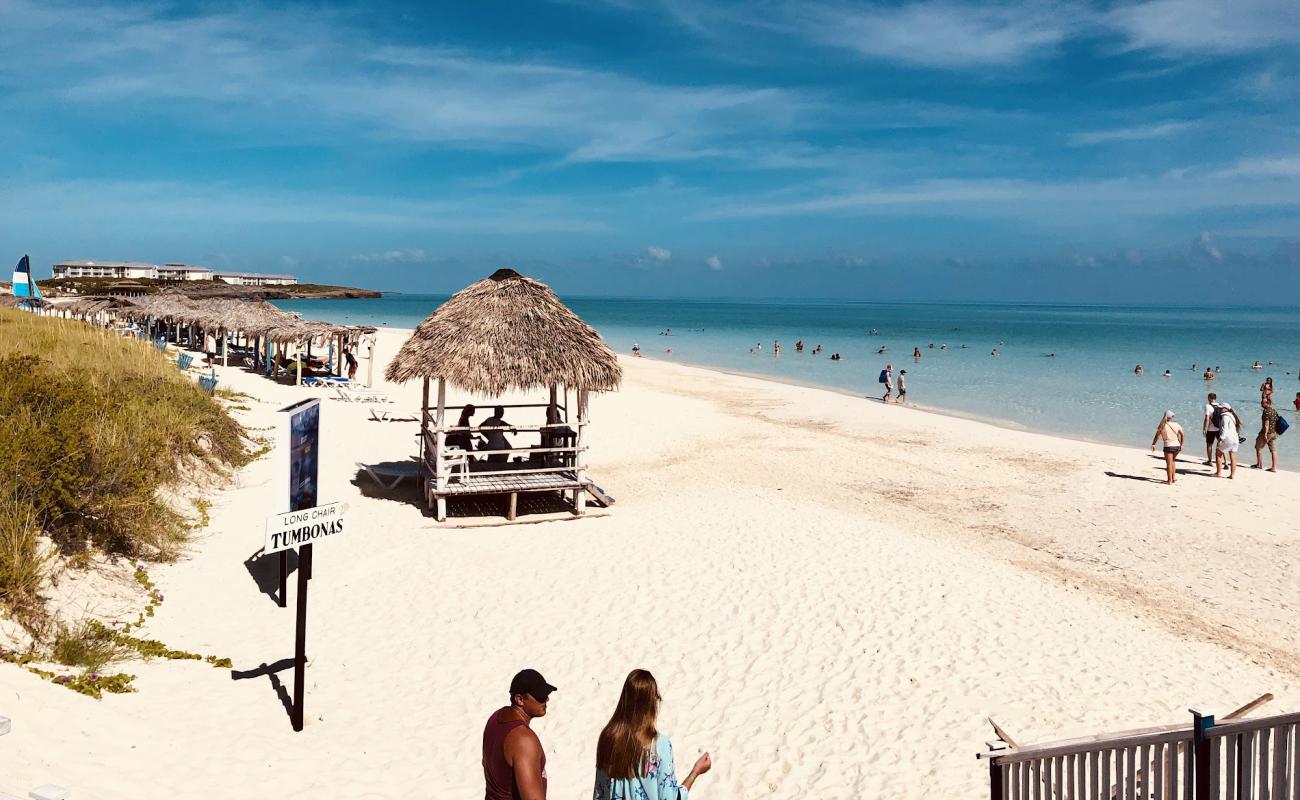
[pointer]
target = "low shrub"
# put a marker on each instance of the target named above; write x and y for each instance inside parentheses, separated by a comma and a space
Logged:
(89, 645)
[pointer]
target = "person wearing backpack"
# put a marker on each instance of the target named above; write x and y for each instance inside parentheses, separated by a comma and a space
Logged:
(1229, 424)
(1269, 430)
(887, 378)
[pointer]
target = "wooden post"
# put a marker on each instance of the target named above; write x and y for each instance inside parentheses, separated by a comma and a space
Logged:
(370, 362)
(997, 788)
(439, 442)
(225, 348)
(1201, 724)
(300, 637)
(580, 502)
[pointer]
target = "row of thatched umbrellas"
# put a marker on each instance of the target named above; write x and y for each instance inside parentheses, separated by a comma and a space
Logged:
(255, 322)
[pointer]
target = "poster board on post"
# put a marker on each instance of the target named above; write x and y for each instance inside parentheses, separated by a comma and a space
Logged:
(300, 433)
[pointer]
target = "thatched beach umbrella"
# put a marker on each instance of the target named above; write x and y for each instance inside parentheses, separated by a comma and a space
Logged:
(506, 332)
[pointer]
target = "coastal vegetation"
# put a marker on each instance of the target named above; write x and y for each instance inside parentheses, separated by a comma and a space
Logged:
(100, 438)
(201, 289)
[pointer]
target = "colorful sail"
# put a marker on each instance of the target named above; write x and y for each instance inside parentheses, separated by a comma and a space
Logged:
(24, 285)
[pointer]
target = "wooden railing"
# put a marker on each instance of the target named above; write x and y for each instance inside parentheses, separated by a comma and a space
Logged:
(1235, 760)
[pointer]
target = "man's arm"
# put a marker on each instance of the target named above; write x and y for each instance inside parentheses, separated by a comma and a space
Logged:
(523, 751)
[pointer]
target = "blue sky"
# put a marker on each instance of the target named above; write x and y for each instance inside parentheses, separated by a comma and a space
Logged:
(920, 151)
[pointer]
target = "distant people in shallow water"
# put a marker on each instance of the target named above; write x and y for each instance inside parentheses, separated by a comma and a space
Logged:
(1168, 374)
(1137, 370)
(835, 356)
(1209, 376)
(916, 352)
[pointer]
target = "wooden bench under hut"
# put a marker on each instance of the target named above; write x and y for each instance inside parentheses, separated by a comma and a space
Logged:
(506, 332)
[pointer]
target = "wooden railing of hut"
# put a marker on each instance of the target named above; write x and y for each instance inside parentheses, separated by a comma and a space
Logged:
(1235, 759)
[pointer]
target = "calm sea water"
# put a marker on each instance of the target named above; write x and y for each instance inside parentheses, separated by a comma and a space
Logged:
(1087, 389)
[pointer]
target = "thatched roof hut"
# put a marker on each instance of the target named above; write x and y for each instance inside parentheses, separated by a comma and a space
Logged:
(506, 332)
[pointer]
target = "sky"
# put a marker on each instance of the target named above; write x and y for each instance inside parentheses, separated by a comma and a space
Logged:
(948, 151)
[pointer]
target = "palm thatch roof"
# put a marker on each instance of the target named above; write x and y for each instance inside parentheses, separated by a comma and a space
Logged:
(506, 332)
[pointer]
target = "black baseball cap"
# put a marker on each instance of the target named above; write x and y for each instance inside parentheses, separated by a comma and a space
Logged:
(530, 681)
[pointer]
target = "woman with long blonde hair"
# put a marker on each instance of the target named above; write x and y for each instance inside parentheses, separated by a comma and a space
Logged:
(634, 761)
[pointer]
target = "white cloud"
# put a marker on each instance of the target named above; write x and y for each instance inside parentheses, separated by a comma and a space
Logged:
(714, 263)
(410, 256)
(1207, 246)
(1156, 130)
(659, 253)
(1208, 26)
(306, 75)
(939, 34)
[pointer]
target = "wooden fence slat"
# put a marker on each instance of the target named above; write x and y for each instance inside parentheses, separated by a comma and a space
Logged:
(1189, 774)
(1072, 783)
(1024, 781)
(1245, 790)
(1230, 749)
(1159, 768)
(1058, 777)
(1144, 772)
(1129, 790)
(1295, 761)
(1093, 789)
(1216, 751)
(1038, 779)
(1264, 737)
(1280, 763)
(1105, 792)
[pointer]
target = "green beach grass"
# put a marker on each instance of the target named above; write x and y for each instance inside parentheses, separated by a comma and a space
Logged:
(96, 431)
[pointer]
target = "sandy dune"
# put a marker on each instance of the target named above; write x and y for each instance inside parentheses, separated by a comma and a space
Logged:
(832, 593)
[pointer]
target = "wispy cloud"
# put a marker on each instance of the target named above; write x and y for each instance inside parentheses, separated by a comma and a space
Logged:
(1155, 130)
(1206, 26)
(659, 253)
(408, 256)
(306, 73)
(714, 263)
(940, 34)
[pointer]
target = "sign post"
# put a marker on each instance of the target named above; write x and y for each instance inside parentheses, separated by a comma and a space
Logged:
(304, 523)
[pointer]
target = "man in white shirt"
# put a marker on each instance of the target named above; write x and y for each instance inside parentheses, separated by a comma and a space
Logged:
(1208, 427)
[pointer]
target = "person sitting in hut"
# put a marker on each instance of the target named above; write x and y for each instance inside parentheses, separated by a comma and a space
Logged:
(493, 431)
(463, 439)
(557, 437)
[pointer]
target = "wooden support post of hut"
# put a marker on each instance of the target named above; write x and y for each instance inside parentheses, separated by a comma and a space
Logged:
(506, 333)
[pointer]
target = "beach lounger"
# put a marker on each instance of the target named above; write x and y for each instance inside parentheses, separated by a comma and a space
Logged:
(209, 382)
(183, 361)
(350, 395)
(386, 415)
(388, 475)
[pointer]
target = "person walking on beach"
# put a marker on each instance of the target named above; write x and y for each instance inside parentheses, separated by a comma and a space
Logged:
(634, 761)
(1210, 427)
(1229, 440)
(514, 763)
(1172, 434)
(352, 364)
(902, 386)
(1268, 434)
(887, 378)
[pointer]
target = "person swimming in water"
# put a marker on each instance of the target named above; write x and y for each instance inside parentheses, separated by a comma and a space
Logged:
(1168, 374)
(1137, 370)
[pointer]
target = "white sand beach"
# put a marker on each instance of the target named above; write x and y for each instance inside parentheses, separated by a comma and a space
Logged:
(833, 594)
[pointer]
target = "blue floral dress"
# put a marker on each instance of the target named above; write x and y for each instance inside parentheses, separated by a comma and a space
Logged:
(658, 783)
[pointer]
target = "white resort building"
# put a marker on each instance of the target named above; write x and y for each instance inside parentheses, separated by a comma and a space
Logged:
(134, 270)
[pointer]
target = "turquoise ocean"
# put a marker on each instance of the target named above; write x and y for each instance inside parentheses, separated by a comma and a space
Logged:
(1086, 390)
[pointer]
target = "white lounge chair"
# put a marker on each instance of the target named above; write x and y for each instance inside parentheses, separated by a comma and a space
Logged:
(360, 395)
(388, 475)
(387, 415)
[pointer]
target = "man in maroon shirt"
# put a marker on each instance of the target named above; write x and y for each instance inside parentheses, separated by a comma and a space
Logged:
(514, 764)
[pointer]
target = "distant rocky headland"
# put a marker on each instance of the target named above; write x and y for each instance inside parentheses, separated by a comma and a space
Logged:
(200, 290)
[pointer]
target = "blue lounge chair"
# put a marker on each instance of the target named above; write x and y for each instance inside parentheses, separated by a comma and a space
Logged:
(184, 360)
(209, 382)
